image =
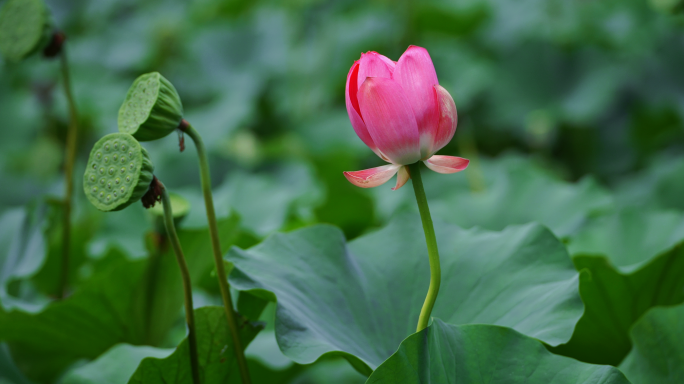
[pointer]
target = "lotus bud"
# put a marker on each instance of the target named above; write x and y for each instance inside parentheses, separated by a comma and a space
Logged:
(399, 110)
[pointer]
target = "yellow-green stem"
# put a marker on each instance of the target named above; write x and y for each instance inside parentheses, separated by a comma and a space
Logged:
(216, 245)
(187, 286)
(70, 159)
(431, 240)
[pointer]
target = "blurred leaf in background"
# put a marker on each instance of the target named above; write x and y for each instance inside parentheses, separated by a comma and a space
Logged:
(572, 113)
(656, 356)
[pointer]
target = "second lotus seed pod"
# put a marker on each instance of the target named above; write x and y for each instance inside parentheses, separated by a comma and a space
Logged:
(25, 28)
(119, 172)
(152, 108)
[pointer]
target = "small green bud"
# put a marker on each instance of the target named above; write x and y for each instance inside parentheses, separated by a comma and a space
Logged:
(25, 28)
(110, 187)
(180, 207)
(152, 108)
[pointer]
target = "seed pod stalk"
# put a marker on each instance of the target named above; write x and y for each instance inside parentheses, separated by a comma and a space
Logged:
(216, 245)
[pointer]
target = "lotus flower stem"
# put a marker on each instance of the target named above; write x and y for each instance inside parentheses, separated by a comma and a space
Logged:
(431, 240)
(70, 157)
(216, 245)
(187, 287)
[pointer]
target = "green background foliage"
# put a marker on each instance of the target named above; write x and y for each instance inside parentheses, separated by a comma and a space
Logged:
(561, 240)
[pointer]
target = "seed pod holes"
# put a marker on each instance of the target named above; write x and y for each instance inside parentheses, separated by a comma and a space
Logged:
(98, 178)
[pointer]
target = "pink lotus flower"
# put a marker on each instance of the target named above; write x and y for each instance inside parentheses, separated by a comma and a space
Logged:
(400, 111)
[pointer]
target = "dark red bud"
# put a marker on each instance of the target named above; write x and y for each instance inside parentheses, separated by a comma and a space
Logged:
(153, 194)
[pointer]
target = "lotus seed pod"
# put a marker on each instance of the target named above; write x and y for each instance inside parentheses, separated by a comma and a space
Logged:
(119, 172)
(152, 108)
(180, 207)
(25, 28)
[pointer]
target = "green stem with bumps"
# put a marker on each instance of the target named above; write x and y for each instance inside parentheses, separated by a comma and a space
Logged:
(70, 159)
(431, 240)
(216, 245)
(187, 287)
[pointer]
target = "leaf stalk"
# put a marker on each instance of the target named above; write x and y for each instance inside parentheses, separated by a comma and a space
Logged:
(187, 286)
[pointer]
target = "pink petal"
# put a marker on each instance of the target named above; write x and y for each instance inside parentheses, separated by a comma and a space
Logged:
(387, 61)
(373, 64)
(369, 178)
(446, 164)
(389, 119)
(350, 95)
(416, 74)
(402, 178)
(448, 119)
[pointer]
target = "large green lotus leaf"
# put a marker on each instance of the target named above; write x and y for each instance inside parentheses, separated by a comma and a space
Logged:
(496, 193)
(118, 364)
(484, 354)
(269, 365)
(642, 267)
(329, 371)
(124, 301)
(22, 252)
(614, 300)
(214, 347)
(48, 278)
(658, 353)
(362, 299)
(629, 237)
(9, 373)
(82, 326)
(115, 366)
(31, 247)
